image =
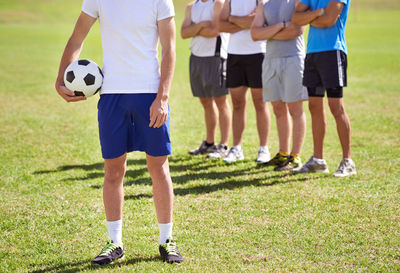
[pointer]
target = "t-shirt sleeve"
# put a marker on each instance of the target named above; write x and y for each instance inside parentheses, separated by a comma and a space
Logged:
(342, 1)
(91, 8)
(306, 2)
(165, 9)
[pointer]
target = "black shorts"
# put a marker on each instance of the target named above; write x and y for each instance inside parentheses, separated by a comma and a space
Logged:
(325, 70)
(244, 70)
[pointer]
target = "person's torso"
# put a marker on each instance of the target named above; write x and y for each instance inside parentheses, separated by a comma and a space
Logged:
(276, 11)
(241, 42)
(331, 38)
(203, 46)
(129, 39)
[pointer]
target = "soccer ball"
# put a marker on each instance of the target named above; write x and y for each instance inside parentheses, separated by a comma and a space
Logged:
(84, 77)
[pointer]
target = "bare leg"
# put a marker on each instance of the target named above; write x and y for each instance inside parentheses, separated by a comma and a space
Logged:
(299, 125)
(239, 100)
(158, 167)
(210, 117)
(282, 124)
(262, 115)
(342, 124)
(225, 118)
(318, 122)
(113, 192)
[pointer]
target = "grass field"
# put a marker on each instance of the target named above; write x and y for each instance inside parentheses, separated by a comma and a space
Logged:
(236, 218)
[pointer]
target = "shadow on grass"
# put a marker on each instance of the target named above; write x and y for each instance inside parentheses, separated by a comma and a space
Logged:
(88, 265)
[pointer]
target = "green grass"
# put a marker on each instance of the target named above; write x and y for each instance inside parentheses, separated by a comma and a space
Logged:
(236, 218)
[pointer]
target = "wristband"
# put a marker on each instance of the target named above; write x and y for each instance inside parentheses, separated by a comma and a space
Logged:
(284, 24)
(322, 12)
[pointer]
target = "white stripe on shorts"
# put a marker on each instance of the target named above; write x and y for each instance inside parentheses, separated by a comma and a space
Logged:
(340, 68)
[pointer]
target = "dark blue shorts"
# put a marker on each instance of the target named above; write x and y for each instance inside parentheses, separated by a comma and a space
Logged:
(124, 126)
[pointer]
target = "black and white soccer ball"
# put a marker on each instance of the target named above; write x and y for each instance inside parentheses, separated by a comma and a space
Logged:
(84, 77)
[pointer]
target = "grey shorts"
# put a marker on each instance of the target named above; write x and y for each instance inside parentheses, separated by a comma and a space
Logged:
(282, 79)
(207, 76)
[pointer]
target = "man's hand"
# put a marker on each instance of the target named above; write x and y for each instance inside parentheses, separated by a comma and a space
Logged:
(158, 112)
(67, 94)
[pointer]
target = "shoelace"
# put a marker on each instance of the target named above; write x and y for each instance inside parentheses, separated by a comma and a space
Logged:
(171, 248)
(109, 247)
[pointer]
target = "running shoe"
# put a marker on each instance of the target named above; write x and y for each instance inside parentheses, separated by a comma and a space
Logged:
(346, 168)
(220, 152)
(233, 155)
(290, 164)
(263, 155)
(169, 252)
(276, 160)
(313, 166)
(204, 148)
(109, 254)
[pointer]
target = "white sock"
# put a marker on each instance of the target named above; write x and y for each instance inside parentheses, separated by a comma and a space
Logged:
(319, 160)
(115, 231)
(165, 232)
(238, 147)
(264, 148)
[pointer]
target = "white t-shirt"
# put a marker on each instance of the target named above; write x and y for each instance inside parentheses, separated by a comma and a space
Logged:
(129, 37)
(241, 42)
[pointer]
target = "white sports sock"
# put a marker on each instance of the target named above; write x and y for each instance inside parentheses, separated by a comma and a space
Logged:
(115, 231)
(319, 160)
(165, 232)
(264, 148)
(238, 147)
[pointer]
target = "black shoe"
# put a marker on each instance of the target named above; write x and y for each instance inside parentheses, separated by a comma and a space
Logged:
(169, 252)
(277, 160)
(205, 148)
(109, 254)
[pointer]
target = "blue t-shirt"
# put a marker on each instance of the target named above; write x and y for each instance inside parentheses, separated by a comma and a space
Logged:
(331, 38)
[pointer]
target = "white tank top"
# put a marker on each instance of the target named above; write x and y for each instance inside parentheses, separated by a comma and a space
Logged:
(202, 46)
(240, 42)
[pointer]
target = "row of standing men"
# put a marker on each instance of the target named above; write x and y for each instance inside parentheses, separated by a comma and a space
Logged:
(242, 44)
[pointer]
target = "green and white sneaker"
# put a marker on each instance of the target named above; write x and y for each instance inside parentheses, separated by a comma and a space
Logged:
(290, 164)
(109, 254)
(276, 160)
(312, 166)
(346, 168)
(169, 252)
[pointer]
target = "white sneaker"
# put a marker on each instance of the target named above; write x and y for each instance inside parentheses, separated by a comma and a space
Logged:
(233, 155)
(263, 155)
(312, 166)
(346, 168)
(220, 152)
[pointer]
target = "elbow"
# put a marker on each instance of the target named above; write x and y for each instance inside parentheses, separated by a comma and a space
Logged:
(184, 35)
(255, 35)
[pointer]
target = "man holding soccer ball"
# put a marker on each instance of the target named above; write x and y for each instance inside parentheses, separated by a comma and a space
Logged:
(133, 110)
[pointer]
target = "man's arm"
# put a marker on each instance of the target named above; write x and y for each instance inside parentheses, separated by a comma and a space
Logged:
(224, 24)
(258, 30)
(303, 15)
(290, 31)
(71, 53)
(213, 29)
(159, 108)
(188, 28)
(244, 22)
(330, 16)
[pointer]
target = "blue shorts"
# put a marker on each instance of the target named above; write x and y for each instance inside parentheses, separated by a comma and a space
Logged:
(124, 126)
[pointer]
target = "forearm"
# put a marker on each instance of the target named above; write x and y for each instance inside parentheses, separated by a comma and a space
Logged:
(209, 32)
(191, 30)
(288, 33)
(244, 22)
(306, 17)
(168, 60)
(225, 26)
(266, 32)
(71, 53)
(323, 21)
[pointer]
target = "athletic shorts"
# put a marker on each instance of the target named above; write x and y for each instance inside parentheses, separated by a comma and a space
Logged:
(325, 70)
(124, 126)
(282, 79)
(207, 76)
(244, 70)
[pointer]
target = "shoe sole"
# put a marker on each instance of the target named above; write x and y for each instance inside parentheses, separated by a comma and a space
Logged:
(342, 176)
(117, 260)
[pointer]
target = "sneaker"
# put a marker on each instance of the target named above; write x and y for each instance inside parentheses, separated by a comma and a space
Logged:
(169, 252)
(263, 155)
(276, 160)
(313, 166)
(290, 164)
(109, 254)
(233, 155)
(203, 149)
(220, 152)
(346, 168)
